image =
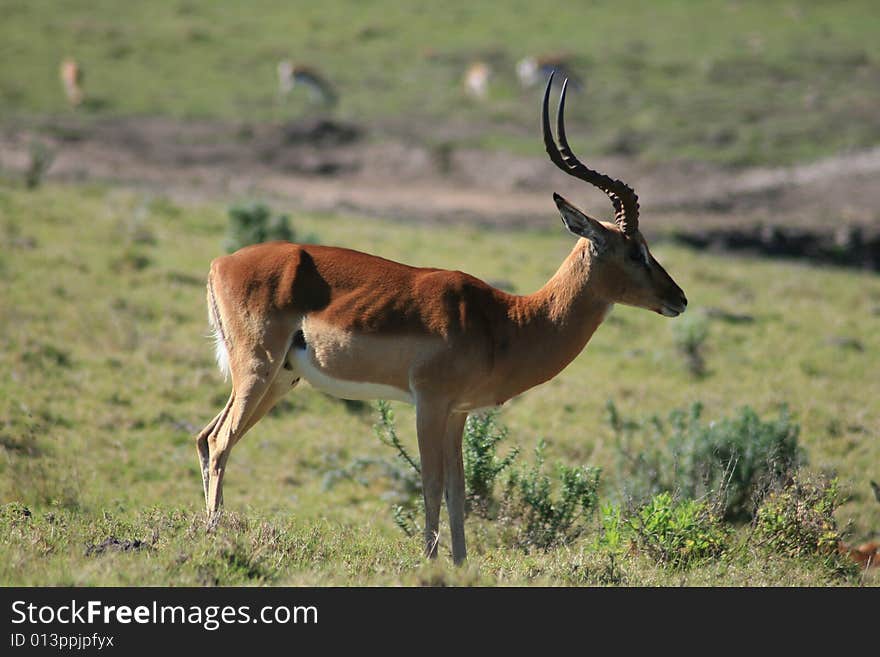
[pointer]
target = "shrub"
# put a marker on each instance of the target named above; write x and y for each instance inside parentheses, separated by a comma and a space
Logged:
(387, 433)
(482, 433)
(252, 223)
(407, 474)
(689, 335)
(736, 459)
(403, 473)
(41, 157)
(540, 519)
(679, 533)
(798, 519)
(613, 528)
(541, 511)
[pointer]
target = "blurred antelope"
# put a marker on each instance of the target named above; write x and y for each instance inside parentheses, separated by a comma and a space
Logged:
(533, 71)
(358, 326)
(476, 80)
(319, 89)
(867, 555)
(72, 79)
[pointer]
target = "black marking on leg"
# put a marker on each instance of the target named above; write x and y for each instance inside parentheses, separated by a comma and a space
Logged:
(295, 381)
(299, 342)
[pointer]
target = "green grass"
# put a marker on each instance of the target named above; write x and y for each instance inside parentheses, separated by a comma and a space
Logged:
(106, 371)
(733, 82)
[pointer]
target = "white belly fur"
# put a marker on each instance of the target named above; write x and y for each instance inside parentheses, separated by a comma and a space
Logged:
(342, 388)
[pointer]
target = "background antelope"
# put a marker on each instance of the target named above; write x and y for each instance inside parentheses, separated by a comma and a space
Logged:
(476, 80)
(533, 70)
(358, 326)
(71, 74)
(320, 91)
(867, 555)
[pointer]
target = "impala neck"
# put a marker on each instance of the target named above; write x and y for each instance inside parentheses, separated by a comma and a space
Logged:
(553, 325)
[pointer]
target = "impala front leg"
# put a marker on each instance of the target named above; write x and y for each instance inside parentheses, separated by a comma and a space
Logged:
(431, 421)
(453, 468)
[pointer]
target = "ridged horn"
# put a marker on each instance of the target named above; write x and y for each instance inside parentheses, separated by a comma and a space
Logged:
(623, 197)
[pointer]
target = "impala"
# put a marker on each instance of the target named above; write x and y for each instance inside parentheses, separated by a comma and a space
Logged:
(476, 80)
(358, 326)
(71, 74)
(533, 70)
(320, 91)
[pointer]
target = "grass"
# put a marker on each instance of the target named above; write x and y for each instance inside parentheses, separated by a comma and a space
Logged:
(106, 371)
(732, 82)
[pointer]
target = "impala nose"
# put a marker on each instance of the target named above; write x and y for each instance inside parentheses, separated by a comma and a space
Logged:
(674, 308)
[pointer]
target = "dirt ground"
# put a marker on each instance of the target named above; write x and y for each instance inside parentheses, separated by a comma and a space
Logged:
(324, 166)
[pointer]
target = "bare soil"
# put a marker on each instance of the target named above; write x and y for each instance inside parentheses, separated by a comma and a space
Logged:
(323, 166)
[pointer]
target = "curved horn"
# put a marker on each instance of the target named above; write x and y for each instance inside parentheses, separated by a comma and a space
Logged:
(623, 197)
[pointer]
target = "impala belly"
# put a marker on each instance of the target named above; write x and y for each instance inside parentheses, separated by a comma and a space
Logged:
(353, 365)
(308, 369)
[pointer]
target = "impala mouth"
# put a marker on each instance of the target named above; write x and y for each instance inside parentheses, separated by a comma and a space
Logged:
(672, 311)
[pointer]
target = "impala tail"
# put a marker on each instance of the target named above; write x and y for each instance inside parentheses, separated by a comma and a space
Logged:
(221, 345)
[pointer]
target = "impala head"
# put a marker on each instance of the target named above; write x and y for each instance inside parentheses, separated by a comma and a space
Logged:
(623, 267)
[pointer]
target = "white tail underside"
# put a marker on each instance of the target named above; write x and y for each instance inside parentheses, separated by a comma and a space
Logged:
(220, 351)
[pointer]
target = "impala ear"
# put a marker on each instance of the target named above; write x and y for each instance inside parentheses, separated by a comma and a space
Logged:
(580, 224)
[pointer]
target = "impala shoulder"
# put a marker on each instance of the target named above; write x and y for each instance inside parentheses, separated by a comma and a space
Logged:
(454, 286)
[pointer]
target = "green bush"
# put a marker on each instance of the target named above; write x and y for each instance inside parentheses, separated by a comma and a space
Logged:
(679, 533)
(690, 334)
(613, 528)
(482, 433)
(798, 520)
(407, 473)
(253, 223)
(41, 157)
(540, 519)
(736, 459)
(541, 511)
(403, 473)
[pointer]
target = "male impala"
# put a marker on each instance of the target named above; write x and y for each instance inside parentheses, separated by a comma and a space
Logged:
(361, 327)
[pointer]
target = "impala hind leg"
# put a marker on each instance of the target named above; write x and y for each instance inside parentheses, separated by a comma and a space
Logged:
(202, 445)
(245, 401)
(256, 387)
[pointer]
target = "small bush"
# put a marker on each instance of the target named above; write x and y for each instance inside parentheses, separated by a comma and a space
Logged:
(482, 434)
(689, 334)
(253, 223)
(131, 259)
(41, 157)
(387, 434)
(541, 520)
(407, 473)
(613, 529)
(798, 520)
(679, 533)
(405, 485)
(403, 473)
(737, 459)
(540, 511)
